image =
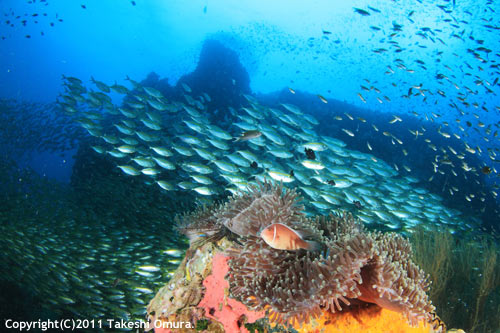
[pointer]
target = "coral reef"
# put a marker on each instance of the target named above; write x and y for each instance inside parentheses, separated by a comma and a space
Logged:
(354, 269)
(198, 291)
(294, 286)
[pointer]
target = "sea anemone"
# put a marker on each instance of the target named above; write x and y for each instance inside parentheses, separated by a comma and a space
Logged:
(294, 286)
(264, 278)
(352, 266)
(393, 281)
(200, 224)
(247, 214)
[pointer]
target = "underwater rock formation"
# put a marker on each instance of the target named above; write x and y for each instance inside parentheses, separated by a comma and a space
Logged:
(161, 84)
(231, 313)
(220, 74)
(354, 267)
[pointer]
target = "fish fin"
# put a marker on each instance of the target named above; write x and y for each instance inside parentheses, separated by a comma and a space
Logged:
(326, 253)
(313, 246)
(306, 236)
(303, 233)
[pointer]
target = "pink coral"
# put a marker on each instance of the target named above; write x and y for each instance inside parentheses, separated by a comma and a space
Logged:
(225, 310)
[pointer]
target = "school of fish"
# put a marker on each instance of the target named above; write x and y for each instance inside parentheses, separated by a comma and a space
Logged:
(173, 145)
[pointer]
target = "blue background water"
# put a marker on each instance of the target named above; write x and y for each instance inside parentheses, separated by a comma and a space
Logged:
(110, 40)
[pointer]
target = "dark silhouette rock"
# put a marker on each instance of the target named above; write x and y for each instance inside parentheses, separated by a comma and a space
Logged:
(220, 74)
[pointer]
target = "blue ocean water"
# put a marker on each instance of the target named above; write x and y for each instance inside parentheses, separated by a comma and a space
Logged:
(424, 57)
(412, 83)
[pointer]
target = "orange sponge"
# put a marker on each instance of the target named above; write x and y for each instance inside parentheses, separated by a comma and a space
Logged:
(372, 320)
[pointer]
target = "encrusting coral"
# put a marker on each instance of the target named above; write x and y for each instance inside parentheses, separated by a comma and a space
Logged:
(352, 265)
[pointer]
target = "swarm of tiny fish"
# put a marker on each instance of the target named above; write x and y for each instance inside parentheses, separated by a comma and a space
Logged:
(93, 265)
(276, 142)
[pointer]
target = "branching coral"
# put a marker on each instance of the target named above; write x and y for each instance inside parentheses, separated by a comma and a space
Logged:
(433, 252)
(488, 280)
(462, 270)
